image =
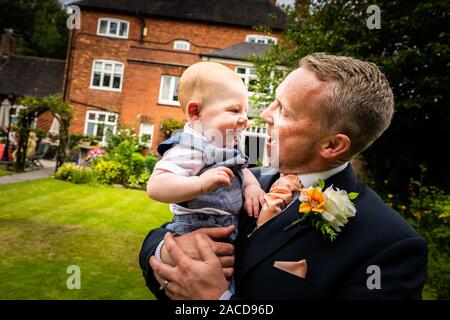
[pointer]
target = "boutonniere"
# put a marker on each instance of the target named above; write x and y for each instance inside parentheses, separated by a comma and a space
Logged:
(327, 210)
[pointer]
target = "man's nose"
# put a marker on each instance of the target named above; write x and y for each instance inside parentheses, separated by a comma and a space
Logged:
(266, 115)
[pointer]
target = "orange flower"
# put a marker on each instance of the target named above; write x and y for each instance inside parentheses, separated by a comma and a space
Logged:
(315, 200)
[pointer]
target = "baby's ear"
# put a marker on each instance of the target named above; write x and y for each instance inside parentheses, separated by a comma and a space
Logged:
(193, 110)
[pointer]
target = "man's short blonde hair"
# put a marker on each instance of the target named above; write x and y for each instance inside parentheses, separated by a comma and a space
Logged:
(201, 80)
(360, 103)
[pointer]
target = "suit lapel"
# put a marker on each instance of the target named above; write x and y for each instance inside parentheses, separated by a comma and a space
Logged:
(267, 239)
(271, 236)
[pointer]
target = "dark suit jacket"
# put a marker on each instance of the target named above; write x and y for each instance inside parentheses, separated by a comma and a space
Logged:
(377, 235)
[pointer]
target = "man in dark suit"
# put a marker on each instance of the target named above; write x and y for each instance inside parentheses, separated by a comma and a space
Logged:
(325, 112)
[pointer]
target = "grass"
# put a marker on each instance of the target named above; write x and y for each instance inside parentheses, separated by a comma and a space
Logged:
(5, 172)
(48, 225)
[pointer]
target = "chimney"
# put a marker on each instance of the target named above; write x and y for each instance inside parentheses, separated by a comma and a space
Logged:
(7, 43)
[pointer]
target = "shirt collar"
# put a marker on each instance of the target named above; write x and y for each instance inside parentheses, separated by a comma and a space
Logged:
(310, 179)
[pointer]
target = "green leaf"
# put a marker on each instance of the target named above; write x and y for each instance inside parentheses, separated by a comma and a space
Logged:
(320, 184)
(353, 195)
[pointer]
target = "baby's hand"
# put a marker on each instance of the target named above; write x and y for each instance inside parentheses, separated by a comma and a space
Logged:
(216, 177)
(254, 196)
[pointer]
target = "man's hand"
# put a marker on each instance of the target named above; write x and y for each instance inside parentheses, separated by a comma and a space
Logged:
(190, 279)
(223, 251)
(214, 178)
(253, 196)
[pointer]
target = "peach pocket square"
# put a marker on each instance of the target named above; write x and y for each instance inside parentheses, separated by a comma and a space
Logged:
(297, 268)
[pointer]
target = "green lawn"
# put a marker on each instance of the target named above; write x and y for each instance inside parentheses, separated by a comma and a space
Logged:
(5, 172)
(48, 225)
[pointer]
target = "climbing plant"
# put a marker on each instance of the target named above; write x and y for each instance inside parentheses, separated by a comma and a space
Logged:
(35, 107)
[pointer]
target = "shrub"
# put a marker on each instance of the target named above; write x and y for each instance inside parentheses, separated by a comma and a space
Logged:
(427, 209)
(168, 126)
(139, 181)
(83, 176)
(129, 135)
(137, 164)
(150, 162)
(67, 171)
(109, 172)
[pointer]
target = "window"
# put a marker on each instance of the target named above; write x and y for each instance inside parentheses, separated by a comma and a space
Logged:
(107, 75)
(113, 28)
(99, 123)
(168, 93)
(247, 74)
(261, 39)
(146, 134)
(181, 45)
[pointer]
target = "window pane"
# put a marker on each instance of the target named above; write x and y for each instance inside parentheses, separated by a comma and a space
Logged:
(123, 29)
(90, 130)
(108, 67)
(106, 80)
(253, 71)
(175, 93)
(166, 88)
(112, 118)
(101, 117)
(118, 68)
(116, 81)
(109, 129)
(96, 79)
(103, 26)
(241, 70)
(91, 116)
(113, 28)
(98, 66)
(100, 130)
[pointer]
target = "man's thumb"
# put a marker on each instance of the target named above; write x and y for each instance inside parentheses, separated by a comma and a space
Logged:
(204, 248)
(219, 232)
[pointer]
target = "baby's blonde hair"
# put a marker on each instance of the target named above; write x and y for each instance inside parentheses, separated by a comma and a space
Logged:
(202, 79)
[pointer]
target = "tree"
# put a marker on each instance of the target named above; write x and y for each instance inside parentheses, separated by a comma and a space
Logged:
(63, 112)
(412, 49)
(39, 24)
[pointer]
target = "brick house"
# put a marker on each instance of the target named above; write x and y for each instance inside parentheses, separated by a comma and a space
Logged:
(124, 63)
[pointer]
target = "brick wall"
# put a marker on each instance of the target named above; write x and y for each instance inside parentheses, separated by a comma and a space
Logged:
(144, 62)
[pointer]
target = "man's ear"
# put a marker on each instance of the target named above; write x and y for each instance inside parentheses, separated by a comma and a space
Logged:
(335, 146)
(193, 110)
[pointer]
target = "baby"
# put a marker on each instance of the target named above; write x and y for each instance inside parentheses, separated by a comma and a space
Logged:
(202, 173)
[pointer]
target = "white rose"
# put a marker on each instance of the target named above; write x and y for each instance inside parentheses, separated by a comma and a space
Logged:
(338, 208)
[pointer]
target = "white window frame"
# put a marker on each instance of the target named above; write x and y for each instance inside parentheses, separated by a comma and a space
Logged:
(108, 34)
(148, 144)
(102, 73)
(182, 45)
(161, 100)
(247, 76)
(257, 38)
(96, 122)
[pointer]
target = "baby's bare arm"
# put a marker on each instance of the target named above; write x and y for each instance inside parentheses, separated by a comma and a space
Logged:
(249, 178)
(165, 186)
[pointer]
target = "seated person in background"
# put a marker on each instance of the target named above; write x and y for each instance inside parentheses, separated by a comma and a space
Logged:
(31, 145)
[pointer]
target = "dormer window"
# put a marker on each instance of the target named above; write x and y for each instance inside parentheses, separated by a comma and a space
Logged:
(254, 38)
(181, 45)
(113, 28)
